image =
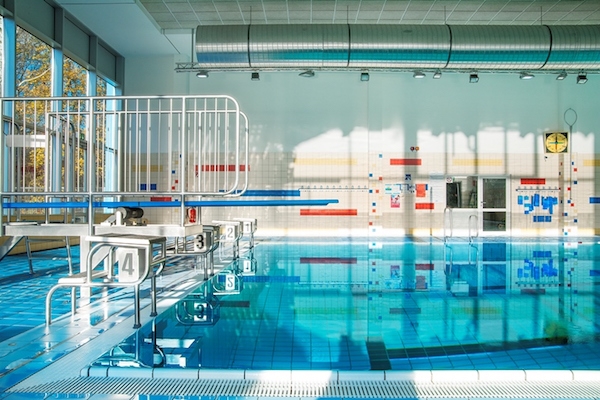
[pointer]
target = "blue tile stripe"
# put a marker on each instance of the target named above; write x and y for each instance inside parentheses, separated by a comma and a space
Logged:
(264, 279)
(164, 204)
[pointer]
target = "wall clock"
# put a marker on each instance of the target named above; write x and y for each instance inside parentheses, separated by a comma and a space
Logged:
(556, 142)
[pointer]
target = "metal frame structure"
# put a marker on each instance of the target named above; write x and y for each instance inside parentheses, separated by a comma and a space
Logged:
(67, 159)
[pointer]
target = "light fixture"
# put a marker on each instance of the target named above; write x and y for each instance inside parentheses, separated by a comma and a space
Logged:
(364, 76)
(582, 78)
(255, 76)
(419, 75)
(526, 75)
(473, 77)
(307, 74)
(437, 74)
(561, 76)
(202, 74)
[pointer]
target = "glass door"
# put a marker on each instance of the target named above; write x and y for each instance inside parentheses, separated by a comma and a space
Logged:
(492, 205)
(475, 205)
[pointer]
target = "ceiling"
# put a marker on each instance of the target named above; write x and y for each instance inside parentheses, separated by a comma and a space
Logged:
(182, 14)
(141, 28)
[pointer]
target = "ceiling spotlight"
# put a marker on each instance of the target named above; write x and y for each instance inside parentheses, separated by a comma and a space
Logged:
(307, 74)
(473, 77)
(526, 75)
(364, 76)
(255, 76)
(437, 74)
(582, 78)
(202, 74)
(561, 76)
(419, 75)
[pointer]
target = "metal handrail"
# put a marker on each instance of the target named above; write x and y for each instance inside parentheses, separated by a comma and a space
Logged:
(448, 212)
(451, 260)
(476, 218)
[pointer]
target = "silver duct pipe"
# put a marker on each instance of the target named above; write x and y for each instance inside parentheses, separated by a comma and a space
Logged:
(340, 46)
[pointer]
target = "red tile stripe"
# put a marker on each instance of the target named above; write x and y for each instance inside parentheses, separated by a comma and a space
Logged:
(424, 206)
(221, 168)
(533, 181)
(424, 267)
(533, 291)
(405, 161)
(340, 212)
(327, 260)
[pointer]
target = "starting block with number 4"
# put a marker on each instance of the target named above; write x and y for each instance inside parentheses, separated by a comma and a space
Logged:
(124, 260)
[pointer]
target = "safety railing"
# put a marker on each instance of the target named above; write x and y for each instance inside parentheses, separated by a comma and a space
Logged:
(64, 159)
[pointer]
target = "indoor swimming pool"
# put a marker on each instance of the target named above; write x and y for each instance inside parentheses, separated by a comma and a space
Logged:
(384, 304)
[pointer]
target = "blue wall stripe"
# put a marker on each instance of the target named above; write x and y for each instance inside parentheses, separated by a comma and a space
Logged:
(163, 204)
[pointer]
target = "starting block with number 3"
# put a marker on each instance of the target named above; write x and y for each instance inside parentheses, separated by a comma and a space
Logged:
(205, 244)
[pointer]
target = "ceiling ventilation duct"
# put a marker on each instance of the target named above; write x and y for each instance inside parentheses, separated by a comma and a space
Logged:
(298, 46)
(575, 47)
(342, 46)
(499, 47)
(399, 46)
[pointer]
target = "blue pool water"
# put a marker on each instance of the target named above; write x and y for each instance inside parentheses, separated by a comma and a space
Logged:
(401, 304)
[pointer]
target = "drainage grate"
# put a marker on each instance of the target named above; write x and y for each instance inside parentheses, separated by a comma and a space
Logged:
(341, 389)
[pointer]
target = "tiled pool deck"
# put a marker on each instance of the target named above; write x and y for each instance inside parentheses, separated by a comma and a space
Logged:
(27, 345)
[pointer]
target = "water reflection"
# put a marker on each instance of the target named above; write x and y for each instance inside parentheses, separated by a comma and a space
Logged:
(360, 305)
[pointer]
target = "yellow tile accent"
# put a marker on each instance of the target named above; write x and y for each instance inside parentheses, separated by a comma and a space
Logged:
(478, 162)
(594, 162)
(325, 161)
(144, 168)
(481, 311)
(325, 310)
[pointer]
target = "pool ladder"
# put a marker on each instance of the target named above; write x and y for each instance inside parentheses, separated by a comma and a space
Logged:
(473, 236)
(447, 221)
(448, 234)
(473, 232)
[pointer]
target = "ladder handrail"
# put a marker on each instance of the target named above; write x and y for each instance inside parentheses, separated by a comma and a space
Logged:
(473, 216)
(448, 211)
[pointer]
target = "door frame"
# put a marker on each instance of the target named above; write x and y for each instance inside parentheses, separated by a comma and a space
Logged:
(481, 206)
(462, 219)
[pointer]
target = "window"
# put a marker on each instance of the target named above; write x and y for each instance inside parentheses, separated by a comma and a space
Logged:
(1, 54)
(33, 66)
(74, 79)
(101, 87)
(107, 139)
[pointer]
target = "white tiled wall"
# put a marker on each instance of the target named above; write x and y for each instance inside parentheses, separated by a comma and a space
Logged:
(333, 137)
